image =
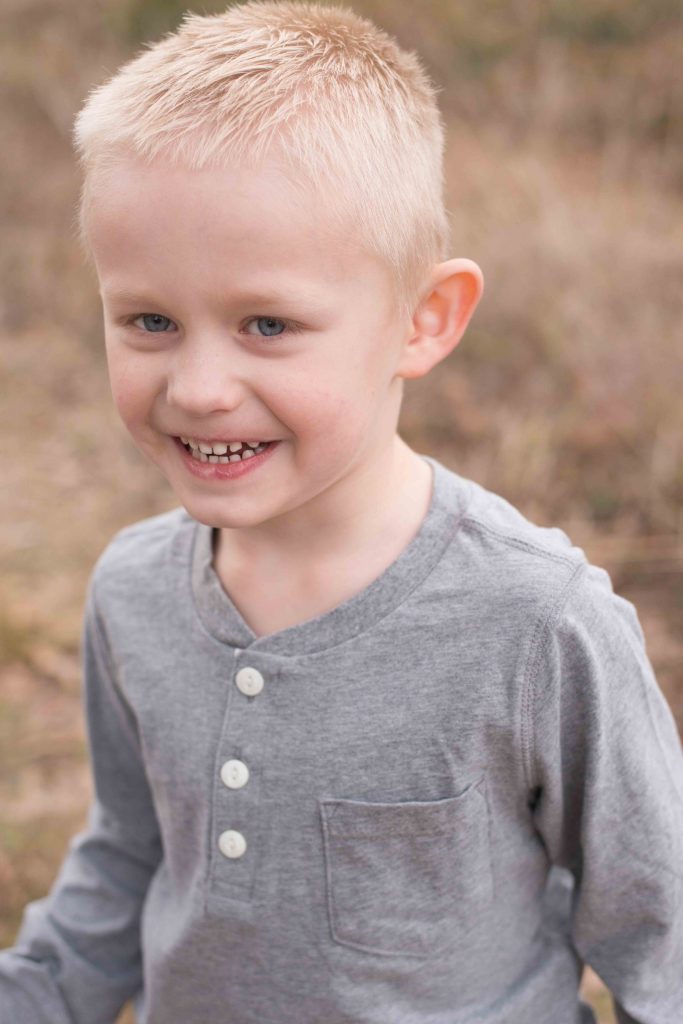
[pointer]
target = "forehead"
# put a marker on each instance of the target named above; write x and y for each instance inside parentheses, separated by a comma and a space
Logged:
(171, 222)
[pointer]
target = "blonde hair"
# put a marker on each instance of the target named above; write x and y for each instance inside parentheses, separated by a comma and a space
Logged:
(351, 112)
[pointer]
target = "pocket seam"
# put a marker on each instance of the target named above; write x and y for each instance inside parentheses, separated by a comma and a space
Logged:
(330, 807)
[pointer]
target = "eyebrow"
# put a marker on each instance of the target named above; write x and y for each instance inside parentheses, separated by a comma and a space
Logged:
(244, 298)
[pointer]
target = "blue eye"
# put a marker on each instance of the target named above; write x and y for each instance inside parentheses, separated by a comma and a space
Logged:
(154, 322)
(269, 324)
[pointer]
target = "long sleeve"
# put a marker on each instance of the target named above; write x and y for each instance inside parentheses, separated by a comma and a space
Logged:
(77, 957)
(605, 763)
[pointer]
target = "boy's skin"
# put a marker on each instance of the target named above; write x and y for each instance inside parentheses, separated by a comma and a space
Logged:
(342, 494)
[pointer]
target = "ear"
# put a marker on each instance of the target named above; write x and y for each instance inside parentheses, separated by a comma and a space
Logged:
(450, 297)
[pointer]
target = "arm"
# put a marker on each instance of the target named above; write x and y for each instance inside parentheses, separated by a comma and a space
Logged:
(604, 760)
(77, 957)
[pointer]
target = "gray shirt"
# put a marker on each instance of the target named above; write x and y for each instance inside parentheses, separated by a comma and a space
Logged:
(429, 805)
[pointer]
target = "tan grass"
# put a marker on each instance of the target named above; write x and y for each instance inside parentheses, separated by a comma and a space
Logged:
(565, 178)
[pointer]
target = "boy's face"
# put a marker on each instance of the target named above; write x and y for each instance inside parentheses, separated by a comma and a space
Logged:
(231, 314)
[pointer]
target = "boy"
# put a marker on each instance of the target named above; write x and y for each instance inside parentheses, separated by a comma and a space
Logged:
(345, 708)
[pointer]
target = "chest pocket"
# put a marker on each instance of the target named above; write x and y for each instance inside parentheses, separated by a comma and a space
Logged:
(407, 879)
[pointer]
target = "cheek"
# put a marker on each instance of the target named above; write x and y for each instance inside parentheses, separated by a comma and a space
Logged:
(126, 385)
(320, 406)
(326, 400)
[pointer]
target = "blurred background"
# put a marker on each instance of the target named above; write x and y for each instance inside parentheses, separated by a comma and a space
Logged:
(565, 183)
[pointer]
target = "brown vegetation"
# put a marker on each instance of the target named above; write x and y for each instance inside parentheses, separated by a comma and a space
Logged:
(565, 178)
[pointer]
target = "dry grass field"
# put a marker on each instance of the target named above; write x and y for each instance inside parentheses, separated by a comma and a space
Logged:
(565, 181)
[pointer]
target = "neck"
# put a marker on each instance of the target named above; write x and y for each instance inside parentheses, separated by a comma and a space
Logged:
(364, 512)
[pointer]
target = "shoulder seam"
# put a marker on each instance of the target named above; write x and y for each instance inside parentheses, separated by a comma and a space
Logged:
(519, 542)
(540, 634)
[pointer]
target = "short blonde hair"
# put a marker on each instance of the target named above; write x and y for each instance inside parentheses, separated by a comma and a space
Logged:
(353, 113)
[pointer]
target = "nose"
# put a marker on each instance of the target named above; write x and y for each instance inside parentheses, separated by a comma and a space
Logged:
(205, 377)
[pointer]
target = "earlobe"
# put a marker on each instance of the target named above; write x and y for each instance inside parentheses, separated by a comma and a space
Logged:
(451, 296)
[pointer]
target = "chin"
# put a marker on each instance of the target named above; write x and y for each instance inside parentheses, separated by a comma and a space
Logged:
(219, 517)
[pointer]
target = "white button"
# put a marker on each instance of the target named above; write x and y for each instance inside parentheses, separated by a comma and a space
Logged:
(231, 843)
(234, 774)
(249, 681)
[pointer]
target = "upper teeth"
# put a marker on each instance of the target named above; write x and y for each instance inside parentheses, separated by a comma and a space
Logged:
(219, 448)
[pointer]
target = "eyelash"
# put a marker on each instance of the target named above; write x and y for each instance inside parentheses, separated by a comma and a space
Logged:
(291, 327)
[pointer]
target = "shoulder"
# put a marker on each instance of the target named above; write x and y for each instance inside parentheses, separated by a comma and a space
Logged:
(144, 555)
(504, 530)
(515, 564)
(575, 594)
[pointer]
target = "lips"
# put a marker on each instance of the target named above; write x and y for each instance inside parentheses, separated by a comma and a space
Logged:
(223, 467)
